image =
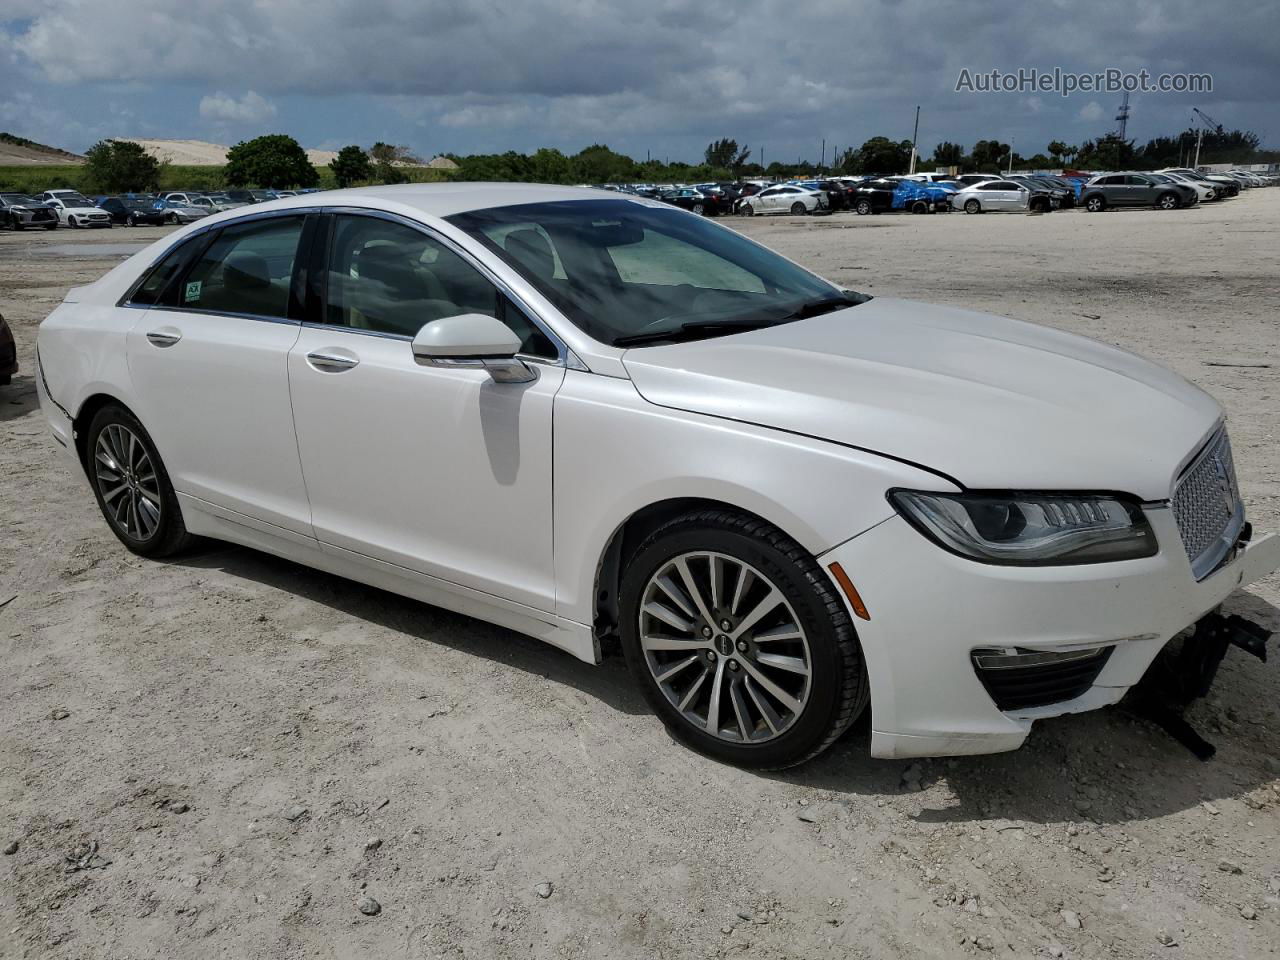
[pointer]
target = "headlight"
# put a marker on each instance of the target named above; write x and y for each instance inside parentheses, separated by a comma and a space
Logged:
(1030, 529)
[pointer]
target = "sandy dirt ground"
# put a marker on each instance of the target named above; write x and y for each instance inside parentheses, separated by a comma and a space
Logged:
(225, 755)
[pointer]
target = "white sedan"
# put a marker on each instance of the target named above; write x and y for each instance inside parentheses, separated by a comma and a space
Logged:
(601, 420)
(784, 198)
(77, 211)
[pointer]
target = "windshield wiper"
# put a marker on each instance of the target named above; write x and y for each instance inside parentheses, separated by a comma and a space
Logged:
(692, 329)
(821, 305)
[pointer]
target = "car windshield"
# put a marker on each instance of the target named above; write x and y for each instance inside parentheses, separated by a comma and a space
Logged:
(74, 200)
(628, 271)
(17, 199)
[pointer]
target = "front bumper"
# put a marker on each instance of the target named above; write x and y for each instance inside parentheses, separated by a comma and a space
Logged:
(931, 609)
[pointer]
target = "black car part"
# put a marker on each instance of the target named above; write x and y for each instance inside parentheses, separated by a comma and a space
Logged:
(1184, 672)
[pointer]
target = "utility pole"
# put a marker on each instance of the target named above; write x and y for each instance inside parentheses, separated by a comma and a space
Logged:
(1009, 166)
(914, 134)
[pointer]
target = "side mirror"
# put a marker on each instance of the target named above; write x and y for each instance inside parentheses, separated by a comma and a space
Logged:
(472, 340)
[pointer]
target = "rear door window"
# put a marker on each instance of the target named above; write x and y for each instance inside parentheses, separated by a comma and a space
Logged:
(248, 269)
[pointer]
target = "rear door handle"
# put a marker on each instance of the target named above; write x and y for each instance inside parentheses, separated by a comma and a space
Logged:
(165, 336)
(331, 362)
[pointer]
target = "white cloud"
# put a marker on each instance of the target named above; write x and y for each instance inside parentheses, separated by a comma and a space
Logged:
(1091, 111)
(251, 108)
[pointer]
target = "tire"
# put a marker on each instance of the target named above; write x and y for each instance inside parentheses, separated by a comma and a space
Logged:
(699, 209)
(71, 222)
(1168, 201)
(132, 221)
(798, 209)
(972, 206)
(129, 506)
(171, 219)
(753, 727)
(862, 207)
(51, 226)
(747, 210)
(15, 224)
(1095, 204)
(919, 207)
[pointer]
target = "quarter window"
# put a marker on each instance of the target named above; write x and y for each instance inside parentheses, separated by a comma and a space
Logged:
(389, 278)
(248, 269)
(158, 287)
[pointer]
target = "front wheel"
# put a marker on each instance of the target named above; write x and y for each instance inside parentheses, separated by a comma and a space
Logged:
(739, 641)
(1168, 201)
(919, 207)
(71, 222)
(798, 209)
(51, 226)
(1095, 204)
(132, 486)
(132, 221)
(747, 210)
(972, 206)
(862, 207)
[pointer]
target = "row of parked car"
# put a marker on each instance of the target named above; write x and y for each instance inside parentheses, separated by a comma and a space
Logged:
(70, 208)
(971, 192)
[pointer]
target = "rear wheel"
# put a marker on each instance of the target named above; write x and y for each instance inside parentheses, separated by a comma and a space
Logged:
(132, 221)
(798, 209)
(739, 641)
(862, 207)
(1095, 204)
(699, 209)
(132, 486)
(171, 219)
(1168, 201)
(919, 207)
(972, 206)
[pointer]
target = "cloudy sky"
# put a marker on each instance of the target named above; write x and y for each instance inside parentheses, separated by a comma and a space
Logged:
(664, 76)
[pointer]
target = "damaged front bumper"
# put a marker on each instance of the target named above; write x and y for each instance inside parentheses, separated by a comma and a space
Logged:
(931, 611)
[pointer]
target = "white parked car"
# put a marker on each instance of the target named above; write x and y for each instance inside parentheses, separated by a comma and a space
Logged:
(784, 198)
(585, 416)
(1205, 190)
(77, 211)
(1000, 196)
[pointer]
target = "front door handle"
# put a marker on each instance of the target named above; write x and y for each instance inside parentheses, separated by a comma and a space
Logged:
(165, 336)
(331, 362)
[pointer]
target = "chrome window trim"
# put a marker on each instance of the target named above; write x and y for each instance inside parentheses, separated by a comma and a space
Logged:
(199, 231)
(562, 350)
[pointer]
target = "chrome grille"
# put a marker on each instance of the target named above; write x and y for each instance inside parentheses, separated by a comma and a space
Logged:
(1207, 507)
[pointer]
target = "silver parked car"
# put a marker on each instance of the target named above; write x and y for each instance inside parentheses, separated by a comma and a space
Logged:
(1001, 196)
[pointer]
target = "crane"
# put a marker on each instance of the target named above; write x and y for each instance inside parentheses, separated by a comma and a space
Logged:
(1209, 122)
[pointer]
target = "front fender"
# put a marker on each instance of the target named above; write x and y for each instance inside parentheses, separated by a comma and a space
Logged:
(616, 453)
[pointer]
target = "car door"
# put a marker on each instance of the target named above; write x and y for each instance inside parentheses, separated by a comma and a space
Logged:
(437, 470)
(1005, 195)
(1142, 191)
(208, 355)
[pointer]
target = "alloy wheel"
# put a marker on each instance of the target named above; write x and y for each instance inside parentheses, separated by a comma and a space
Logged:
(127, 481)
(725, 647)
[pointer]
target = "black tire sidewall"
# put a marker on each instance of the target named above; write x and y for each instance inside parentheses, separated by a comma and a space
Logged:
(862, 208)
(171, 534)
(831, 642)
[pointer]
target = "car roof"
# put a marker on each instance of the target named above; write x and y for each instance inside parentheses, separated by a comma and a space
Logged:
(444, 199)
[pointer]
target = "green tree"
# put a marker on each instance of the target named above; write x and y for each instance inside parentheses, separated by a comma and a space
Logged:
(725, 154)
(1106, 153)
(989, 156)
(351, 165)
(549, 166)
(948, 154)
(882, 156)
(388, 159)
(598, 164)
(121, 166)
(1057, 150)
(274, 160)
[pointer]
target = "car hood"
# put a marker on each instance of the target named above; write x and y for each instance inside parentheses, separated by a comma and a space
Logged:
(991, 402)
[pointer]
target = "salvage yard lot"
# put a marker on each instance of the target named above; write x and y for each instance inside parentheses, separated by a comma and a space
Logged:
(224, 754)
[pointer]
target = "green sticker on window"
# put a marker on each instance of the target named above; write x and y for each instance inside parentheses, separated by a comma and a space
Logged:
(193, 291)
